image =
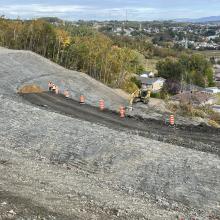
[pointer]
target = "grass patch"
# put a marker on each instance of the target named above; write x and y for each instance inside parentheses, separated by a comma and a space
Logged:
(204, 112)
(218, 99)
(150, 65)
(210, 53)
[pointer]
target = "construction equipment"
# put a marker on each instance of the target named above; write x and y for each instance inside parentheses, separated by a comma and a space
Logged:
(144, 93)
(140, 95)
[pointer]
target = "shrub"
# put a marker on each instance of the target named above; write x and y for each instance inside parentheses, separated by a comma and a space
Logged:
(215, 117)
(156, 95)
(214, 124)
(129, 86)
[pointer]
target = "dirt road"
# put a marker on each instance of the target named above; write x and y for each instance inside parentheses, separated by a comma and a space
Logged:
(202, 138)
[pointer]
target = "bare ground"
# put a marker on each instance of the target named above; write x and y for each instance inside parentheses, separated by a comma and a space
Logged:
(203, 138)
(58, 166)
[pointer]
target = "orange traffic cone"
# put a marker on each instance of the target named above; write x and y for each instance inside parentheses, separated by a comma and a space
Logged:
(82, 99)
(66, 94)
(101, 105)
(122, 112)
(57, 90)
(172, 120)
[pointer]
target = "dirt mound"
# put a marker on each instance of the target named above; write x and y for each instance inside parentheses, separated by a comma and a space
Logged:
(30, 89)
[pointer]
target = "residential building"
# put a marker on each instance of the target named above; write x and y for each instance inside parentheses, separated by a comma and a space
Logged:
(212, 90)
(153, 84)
(195, 98)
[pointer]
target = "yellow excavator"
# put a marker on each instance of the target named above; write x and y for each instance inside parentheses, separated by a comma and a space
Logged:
(140, 95)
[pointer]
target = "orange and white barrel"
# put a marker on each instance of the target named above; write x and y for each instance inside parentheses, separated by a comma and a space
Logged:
(53, 88)
(66, 94)
(82, 99)
(122, 112)
(172, 120)
(50, 85)
(101, 105)
(57, 90)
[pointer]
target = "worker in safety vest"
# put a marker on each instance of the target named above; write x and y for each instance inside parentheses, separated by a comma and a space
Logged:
(50, 85)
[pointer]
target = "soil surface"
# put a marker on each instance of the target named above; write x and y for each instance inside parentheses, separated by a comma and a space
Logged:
(203, 137)
(60, 160)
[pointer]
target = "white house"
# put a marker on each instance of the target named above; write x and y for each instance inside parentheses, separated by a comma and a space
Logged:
(154, 84)
(147, 75)
(212, 90)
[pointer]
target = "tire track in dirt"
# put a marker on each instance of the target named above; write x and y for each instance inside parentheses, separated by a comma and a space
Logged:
(201, 138)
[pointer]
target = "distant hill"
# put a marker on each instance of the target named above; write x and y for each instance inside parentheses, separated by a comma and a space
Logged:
(52, 19)
(200, 20)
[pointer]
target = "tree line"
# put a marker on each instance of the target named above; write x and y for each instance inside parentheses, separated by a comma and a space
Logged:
(76, 48)
(187, 69)
(112, 60)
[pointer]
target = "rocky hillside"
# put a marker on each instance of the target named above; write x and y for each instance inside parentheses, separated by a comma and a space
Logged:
(57, 167)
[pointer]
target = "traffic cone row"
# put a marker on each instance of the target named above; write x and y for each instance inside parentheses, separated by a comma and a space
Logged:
(82, 100)
(101, 103)
(102, 106)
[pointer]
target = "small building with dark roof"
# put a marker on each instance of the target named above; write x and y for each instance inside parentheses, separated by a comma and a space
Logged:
(153, 84)
(195, 98)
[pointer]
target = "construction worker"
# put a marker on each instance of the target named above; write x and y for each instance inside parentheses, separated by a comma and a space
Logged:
(50, 85)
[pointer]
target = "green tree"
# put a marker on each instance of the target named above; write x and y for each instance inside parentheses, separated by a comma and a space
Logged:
(170, 69)
(194, 69)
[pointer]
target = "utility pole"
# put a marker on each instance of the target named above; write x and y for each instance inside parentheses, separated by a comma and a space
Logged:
(140, 28)
(186, 43)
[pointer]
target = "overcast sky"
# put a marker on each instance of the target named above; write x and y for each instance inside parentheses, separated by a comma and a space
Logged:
(110, 9)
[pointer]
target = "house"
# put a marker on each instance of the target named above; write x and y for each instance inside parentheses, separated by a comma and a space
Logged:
(147, 74)
(217, 77)
(212, 90)
(153, 84)
(195, 98)
(191, 88)
(216, 108)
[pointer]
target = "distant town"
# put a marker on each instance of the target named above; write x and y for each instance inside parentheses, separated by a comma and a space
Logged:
(204, 36)
(197, 36)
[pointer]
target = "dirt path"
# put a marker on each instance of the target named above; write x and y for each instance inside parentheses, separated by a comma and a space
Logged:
(202, 138)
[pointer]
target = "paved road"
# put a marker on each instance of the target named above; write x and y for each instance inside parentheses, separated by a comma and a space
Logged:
(201, 138)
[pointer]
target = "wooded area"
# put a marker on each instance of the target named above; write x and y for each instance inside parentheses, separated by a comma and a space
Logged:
(110, 59)
(76, 48)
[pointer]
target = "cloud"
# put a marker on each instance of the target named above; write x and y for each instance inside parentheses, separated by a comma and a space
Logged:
(73, 11)
(110, 9)
(41, 9)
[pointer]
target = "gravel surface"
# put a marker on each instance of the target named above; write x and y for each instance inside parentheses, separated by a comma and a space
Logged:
(19, 68)
(54, 166)
(187, 136)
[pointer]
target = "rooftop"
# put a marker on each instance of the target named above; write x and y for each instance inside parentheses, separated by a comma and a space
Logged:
(196, 98)
(150, 81)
